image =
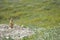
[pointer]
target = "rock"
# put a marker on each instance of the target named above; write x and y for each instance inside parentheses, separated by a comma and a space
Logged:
(16, 32)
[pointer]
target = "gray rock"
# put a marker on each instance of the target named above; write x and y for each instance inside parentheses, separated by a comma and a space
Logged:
(16, 32)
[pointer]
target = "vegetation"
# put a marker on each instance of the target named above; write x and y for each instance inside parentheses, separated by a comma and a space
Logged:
(33, 14)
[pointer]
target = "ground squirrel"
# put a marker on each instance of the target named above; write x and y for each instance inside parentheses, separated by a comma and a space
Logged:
(11, 23)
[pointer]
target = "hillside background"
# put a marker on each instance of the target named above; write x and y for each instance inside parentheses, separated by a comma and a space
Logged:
(40, 13)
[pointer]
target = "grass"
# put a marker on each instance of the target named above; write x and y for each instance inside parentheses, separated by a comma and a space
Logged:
(32, 13)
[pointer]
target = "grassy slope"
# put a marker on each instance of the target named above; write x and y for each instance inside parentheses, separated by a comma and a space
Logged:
(39, 13)
(34, 13)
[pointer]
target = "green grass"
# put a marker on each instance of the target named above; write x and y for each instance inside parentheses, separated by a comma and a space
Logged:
(31, 13)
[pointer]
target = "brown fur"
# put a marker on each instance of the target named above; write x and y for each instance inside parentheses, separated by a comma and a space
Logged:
(11, 23)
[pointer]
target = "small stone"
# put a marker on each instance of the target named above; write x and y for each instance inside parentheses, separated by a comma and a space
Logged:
(7, 37)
